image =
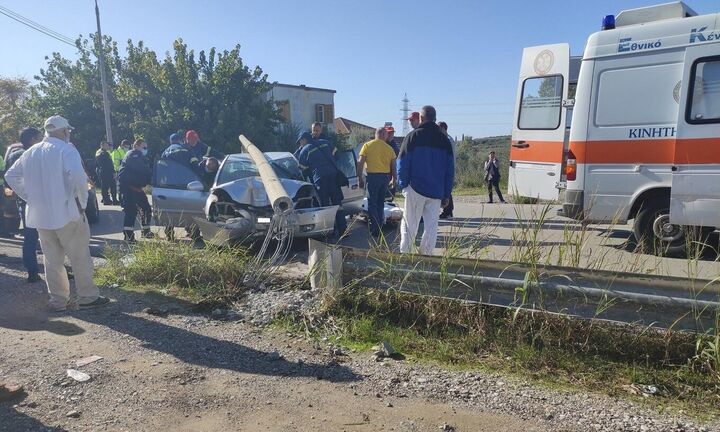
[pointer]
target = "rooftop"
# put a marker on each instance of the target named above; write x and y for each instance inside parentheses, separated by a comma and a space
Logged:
(303, 87)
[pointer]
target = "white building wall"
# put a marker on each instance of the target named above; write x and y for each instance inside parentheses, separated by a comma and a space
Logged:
(302, 104)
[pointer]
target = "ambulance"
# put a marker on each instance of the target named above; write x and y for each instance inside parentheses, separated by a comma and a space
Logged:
(635, 135)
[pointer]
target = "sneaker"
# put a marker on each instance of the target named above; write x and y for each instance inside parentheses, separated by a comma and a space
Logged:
(148, 234)
(100, 301)
(33, 277)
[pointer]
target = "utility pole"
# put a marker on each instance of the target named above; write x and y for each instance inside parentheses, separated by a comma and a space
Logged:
(406, 112)
(103, 77)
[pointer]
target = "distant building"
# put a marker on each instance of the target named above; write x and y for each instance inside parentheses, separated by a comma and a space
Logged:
(302, 105)
(344, 126)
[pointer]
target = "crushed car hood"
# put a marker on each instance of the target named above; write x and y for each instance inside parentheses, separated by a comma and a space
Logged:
(241, 190)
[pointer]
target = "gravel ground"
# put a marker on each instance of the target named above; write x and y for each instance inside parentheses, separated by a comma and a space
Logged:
(183, 371)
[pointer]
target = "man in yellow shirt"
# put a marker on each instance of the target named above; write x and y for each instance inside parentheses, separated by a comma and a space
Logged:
(381, 173)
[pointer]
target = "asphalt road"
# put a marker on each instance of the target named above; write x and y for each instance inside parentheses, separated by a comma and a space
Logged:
(506, 232)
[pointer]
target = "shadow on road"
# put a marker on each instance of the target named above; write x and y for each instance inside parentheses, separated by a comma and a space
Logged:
(195, 348)
(12, 420)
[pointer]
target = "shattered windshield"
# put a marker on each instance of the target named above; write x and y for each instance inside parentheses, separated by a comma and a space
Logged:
(240, 168)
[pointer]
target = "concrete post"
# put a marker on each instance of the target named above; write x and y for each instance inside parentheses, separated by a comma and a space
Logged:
(326, 267)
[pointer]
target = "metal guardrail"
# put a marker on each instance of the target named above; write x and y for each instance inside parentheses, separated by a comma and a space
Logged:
(658, 301)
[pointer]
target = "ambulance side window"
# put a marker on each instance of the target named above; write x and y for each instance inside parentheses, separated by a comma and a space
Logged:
(541, 103)
(704, 102)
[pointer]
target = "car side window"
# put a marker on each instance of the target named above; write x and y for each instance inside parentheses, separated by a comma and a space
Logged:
(173, 175)
(345, 161)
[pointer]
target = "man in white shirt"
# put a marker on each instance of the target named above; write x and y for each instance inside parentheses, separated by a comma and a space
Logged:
(50, 177)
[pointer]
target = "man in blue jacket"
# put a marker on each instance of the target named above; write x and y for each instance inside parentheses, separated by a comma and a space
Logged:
(426, 171)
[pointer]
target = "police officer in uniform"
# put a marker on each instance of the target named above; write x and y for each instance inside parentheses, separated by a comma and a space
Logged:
(105, 170)
(317, 161)
(133, 176)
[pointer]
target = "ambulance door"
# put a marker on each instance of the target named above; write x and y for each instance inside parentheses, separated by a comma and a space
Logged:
(695, 195)
(536, 152)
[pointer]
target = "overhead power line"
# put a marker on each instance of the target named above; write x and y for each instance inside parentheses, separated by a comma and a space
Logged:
(36, 26)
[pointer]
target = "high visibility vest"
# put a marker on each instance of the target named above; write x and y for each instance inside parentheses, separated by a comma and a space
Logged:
(117, 156)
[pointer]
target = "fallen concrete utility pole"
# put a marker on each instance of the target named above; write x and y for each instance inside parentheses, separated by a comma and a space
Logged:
(658, 301)
(279, 198)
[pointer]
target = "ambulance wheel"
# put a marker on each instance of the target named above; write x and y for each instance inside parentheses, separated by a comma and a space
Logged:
(656, 235)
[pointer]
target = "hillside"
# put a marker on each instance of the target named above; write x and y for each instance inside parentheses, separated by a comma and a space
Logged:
(471, 156)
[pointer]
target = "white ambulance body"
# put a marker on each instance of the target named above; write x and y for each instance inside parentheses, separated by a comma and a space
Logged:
(644, 142)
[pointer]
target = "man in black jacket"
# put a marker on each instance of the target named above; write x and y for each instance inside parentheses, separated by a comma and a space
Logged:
(29, 136)
(106, 174)
(134, 175)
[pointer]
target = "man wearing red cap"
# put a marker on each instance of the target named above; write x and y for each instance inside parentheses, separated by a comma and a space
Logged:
(414, 119)
(199, 149)
(390, 139)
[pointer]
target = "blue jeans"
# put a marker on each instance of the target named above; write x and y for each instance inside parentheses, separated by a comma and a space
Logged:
(330, 193)
(377, 188)
(30, 241)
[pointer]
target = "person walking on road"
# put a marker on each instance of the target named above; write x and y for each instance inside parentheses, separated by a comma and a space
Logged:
(134, 175)
(447, 211)
(28, 137)
(105, 170)
(426, 171)
(492, 176)
(318, 163)
(381, 174)
(50, 178)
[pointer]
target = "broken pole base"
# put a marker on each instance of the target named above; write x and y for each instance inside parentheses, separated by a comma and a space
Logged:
(325, 263)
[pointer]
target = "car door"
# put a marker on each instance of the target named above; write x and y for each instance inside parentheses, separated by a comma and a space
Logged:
(538, 135)
(173, 202)
(695, 193)
(352, 194)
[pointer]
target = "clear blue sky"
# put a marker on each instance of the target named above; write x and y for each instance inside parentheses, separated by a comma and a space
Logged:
(461, 56)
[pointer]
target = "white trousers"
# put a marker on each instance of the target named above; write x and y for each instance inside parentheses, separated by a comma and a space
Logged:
(72, 240)
(416, 207)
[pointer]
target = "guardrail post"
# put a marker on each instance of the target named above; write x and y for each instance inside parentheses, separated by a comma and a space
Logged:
(325, 263)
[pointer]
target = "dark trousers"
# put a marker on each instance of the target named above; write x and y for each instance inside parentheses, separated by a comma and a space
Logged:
(330, 193)
(30, 242)
(448, 210)
(3, 230)
(132, 202)
(377, 188)
(108, 188)
(494, 183)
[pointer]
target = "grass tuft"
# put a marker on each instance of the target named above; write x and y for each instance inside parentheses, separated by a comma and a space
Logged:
(210, 274)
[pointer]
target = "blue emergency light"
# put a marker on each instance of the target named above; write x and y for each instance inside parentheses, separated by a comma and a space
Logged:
(608, 23)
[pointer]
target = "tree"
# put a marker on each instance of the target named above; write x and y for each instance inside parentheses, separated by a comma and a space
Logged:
(215, 94)
(14, 114)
